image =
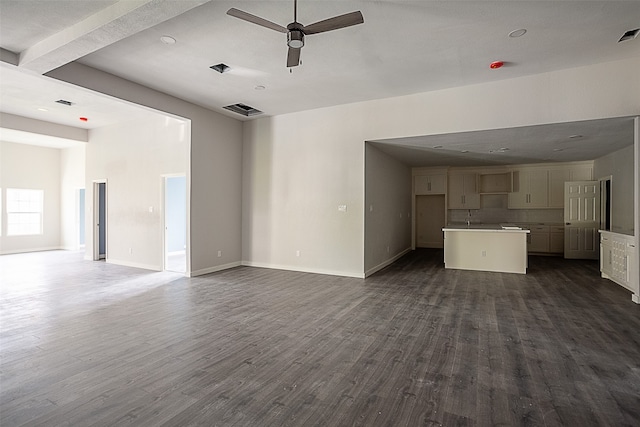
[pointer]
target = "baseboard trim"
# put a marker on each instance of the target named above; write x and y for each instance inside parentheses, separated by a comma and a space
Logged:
(303, 270)
(213, 269)
(387, 262)
(133, 264)
(24, 251)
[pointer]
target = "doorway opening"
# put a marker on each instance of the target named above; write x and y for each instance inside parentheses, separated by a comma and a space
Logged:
(99, 220)
(431, 218)
(175, 223)
(605, 203)
(81, 219)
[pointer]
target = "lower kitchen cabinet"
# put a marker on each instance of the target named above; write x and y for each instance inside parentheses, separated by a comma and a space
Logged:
(618, 261)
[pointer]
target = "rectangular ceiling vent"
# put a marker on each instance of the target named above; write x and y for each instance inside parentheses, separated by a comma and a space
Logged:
(221, 68)
(629, 35)
(243, 109)
(64, 102)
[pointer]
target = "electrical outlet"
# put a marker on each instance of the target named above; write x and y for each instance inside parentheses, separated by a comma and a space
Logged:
(297, 253)
(130, 251)
(219, 254)
(342, 208)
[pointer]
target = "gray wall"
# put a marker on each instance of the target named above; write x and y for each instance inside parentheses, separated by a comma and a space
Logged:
(619, 165)
(387, 213)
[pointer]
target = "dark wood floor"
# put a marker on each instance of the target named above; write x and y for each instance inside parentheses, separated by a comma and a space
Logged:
(87, 343)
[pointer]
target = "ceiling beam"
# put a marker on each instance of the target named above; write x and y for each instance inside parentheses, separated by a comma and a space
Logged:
(116, 22)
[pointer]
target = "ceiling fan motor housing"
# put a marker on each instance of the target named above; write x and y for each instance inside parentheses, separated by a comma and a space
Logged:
(295, 36)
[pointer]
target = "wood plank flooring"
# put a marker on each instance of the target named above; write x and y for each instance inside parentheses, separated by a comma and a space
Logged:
(88, 343)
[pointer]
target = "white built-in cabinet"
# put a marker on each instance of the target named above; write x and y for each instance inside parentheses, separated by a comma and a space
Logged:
(430, 184)
(530, 189)
(463, 191)
(557, 178)
(617, 261)
(543, 187)
(545, 239)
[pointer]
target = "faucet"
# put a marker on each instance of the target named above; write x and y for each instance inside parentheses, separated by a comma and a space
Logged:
(468, 217)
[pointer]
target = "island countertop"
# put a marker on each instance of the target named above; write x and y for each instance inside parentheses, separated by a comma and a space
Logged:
(486, 227)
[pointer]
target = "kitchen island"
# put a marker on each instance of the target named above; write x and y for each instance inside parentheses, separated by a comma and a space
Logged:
(486, 247)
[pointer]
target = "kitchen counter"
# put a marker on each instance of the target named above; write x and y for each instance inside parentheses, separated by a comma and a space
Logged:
(486, 247)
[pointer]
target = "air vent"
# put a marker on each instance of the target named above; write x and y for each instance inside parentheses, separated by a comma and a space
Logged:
(629, 35)
(243, 109)
(64, 102)
(221, 68)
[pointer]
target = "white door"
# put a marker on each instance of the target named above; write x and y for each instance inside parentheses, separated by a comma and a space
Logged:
(581, 219)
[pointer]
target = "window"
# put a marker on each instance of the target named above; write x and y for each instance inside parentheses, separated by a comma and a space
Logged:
(24, 211)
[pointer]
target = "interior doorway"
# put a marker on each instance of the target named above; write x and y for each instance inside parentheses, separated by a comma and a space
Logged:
(99, 220)
(431, 217)
(81, 223)
(175, 223)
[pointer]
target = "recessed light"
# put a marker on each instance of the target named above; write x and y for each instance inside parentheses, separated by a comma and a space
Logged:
(575, 136)
(437, 147)
(260, 87)
(42, 109)
(167, 40)
(558, 149)
(504, 149)
(517, 33)
(464, 151)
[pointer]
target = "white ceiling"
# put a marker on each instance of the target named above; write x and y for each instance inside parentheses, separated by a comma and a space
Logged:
(403, 47)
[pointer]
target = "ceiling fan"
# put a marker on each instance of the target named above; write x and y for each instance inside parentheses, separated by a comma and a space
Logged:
(296, 31)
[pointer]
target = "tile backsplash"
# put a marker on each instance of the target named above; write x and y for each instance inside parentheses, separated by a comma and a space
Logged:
(493, 210)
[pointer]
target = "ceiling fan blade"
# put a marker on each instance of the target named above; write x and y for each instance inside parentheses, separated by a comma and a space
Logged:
(335, 23)
(293, 57)
(255, 20)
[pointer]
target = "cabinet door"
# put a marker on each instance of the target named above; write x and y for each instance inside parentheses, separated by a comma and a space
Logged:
(471, 195)
(455, 196)
(429, 184)
(530, 189)
(606, 266)
(556, 243)
(557, 179)
(438, 184)
(538, 188)
(463, 192)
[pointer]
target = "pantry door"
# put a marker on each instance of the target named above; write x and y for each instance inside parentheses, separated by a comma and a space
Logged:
(581, 219)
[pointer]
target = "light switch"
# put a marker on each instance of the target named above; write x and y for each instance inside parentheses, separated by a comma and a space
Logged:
(342, 208)
(150, 209)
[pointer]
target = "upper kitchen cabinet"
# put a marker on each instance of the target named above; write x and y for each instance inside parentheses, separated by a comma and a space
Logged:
(463, 191)
(557, 178)
(435, 183)
(530, 189)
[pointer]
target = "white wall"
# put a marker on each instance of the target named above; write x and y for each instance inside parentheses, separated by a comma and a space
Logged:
(38, 168)
(214, 173)
(619, 165)
(72, 178)
(298, 167)
(132, 157)
(387, 209)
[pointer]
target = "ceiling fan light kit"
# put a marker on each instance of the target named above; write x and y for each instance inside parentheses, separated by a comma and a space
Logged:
(296, 31)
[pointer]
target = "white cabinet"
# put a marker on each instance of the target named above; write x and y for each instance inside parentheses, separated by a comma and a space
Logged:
(557, 178)
(538, 239)
(430, 184)
(463, 191)
(556, 239)
(618, 261)
(530, 189)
